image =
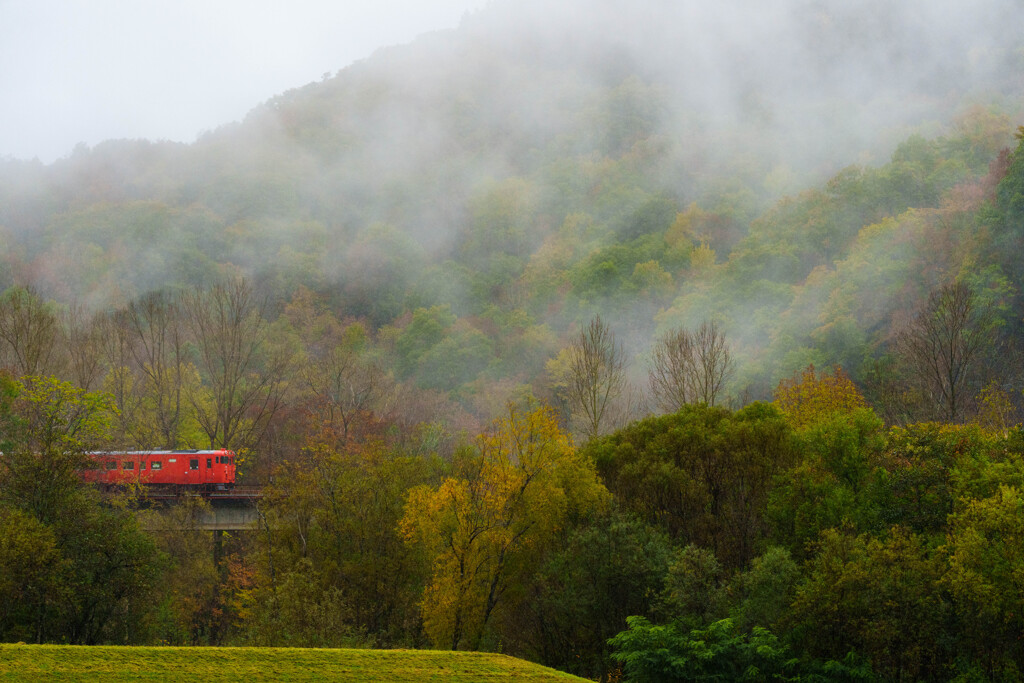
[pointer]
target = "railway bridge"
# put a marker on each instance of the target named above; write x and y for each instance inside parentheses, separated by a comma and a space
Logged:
(235, 509)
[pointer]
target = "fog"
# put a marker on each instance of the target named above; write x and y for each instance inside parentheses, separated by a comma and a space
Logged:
(796, 88)
(433, 171)
(83, 71)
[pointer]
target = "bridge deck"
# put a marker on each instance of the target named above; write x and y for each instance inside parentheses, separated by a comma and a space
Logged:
(231, 510)
(249, 493)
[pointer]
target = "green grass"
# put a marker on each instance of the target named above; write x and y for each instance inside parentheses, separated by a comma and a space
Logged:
(104, 663)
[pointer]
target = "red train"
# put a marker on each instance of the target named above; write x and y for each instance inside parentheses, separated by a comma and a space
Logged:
(213, 470)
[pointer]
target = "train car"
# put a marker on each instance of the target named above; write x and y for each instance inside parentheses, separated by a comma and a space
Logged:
(201, 470)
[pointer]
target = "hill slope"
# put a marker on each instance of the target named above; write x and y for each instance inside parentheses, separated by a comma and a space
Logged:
(657, 163)
(114, 664)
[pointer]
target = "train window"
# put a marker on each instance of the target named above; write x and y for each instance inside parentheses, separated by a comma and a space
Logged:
(209, 462)
(128, 465)
(156, 465)
(111, 465)
(193, 464)
(142, 465)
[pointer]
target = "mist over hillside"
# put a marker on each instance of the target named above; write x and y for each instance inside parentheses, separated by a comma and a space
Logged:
(500, 165)
(802, 88)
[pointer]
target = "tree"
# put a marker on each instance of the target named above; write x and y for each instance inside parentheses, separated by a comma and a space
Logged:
(943, 346)
(81, 337)
(338, 510)
(30, 331)
(985, 550)
(104, 571)
(29, 566)
(596, 375)
(695, 593)
(652, 653)
(192, 607)
(831, 484)
(811, 397)
(763, 593)
(703, 474)
(484, 529)
(157, 345)
(690, 367)
(926, 468)
(48, 433)
(344, 387)
(878, 597)
(245, 368)
(671, 370)
(345, 384)
(610, 567)
(713, 363)
(119, 382)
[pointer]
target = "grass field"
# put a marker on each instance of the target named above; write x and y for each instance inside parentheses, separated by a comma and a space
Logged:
(100, 663)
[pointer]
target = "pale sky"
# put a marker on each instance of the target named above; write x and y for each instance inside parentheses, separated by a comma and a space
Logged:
(90, 70)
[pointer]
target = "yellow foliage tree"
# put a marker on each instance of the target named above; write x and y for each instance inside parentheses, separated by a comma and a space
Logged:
(809, 396)
(995, 409)
(485, 529)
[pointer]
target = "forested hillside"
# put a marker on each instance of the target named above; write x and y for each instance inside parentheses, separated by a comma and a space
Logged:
(573, 314)
(804, 174)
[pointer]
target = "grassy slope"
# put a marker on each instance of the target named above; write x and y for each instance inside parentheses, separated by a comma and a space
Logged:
(71, 663)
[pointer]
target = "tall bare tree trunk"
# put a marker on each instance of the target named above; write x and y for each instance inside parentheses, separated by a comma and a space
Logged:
(596, 375)
(243, 370)
(943, 346)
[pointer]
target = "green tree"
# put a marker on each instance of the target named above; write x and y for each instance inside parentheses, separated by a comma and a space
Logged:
(191, 608)
(49, 429)
(333, 521)
(926, 468)
(878, 597)
(985, 550)
(659, 654)
(695, 590)
(611, 566)
(426, 329)
(105, 568)
(762, 594)
(704, 474)
(30, 568)
(832, 482)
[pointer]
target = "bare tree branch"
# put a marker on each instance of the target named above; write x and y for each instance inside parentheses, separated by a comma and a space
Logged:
(596, 374)
(160, 355)
(245, 375)
(690, 367)
(29, 331)
(942, 348)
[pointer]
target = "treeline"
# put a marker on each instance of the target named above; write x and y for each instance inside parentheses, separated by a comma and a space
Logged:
(834, 275)
(801, 537)
(838, 550)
